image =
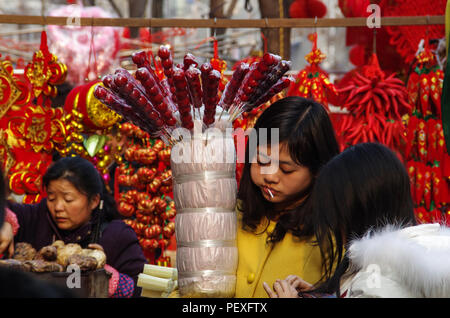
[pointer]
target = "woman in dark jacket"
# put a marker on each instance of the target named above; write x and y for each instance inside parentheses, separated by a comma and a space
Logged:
(78, 209)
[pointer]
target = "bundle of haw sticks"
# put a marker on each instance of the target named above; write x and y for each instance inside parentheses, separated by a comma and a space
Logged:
(189, 91)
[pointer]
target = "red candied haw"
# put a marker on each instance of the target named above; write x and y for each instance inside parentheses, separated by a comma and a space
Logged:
(178, 74)
(168, 63)
(142, 74)
(189, 60)
(183, 102)
(107, 81)
(120, 80)
(128, 88)
(167, 114)
(206, 68)
(248, 89)
(135, 94)
(268, 59)
(142, 101)
(153, 115)
(168, 72)
(189, 125)
(262, 67)
(171, 121)
(161, 107)
(153, 91)
(182, 94)
(157, 99)
(244, 98)
(208, 120)
(186, 117)
(252, 82)
(257, 75)
(159, 122)
(163, 52)
(180, 85)
(100, 92)
(139, 58)
(109, 99)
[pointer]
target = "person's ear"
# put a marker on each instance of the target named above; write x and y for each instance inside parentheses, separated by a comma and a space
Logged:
(95, 201)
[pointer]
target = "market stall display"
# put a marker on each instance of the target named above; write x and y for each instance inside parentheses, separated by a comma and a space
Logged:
(203, 163)
(56, 262)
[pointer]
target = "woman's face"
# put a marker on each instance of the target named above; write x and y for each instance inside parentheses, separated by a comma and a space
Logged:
(286, 180)
(69, 207)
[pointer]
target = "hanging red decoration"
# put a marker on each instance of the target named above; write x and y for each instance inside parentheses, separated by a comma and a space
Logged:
(425, 147)
(376, 103)
(407, 38)
(307, 9)
(312, 81)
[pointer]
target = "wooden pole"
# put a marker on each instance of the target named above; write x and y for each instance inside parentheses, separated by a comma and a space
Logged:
(221, 23)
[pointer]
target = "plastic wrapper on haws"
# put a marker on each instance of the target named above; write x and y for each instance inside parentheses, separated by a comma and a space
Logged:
(205, 191)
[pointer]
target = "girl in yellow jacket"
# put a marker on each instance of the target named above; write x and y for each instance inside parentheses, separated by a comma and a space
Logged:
(275, 232)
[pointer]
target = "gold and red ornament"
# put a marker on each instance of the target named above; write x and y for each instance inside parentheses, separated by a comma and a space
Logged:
(30, 129)
(90, 127)
(9, 90)
(425, 150)
(45, 73)
(313, 82)
(376, 103)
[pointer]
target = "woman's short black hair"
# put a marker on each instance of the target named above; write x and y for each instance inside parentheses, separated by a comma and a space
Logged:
(85, 178)
(365, 187)
(305, 127)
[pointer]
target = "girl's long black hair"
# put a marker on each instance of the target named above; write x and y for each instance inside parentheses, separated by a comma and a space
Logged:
(85, 178)
(364, 188)
(306, 129)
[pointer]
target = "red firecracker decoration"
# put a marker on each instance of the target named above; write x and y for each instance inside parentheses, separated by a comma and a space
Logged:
(376, 103)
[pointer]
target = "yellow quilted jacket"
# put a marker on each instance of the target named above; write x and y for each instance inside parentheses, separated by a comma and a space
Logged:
(261, 262)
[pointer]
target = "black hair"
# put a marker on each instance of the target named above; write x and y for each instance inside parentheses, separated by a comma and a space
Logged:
(85, 178)
(306, 129)
(364, 188)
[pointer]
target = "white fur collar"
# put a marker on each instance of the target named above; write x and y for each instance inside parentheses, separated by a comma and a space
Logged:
(418, 257)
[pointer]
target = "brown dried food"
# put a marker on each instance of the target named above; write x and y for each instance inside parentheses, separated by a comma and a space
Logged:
(58, 244)
(14, 264)
(24, 252)
(86, 263)
(41, 266)
(66, 251)
(48, 253)
(96, 253)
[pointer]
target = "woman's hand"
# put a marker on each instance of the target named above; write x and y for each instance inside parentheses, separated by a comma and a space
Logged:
(298, 283)
(7, 239)
(282, 289)
(95, 246)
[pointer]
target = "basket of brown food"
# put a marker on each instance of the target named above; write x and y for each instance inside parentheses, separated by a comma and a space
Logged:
(69, 265)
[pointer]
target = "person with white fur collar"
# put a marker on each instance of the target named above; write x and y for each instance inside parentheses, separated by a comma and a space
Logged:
(365, 225)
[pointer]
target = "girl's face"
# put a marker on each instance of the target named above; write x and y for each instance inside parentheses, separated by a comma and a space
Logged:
(69, 207)
(286, 180)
